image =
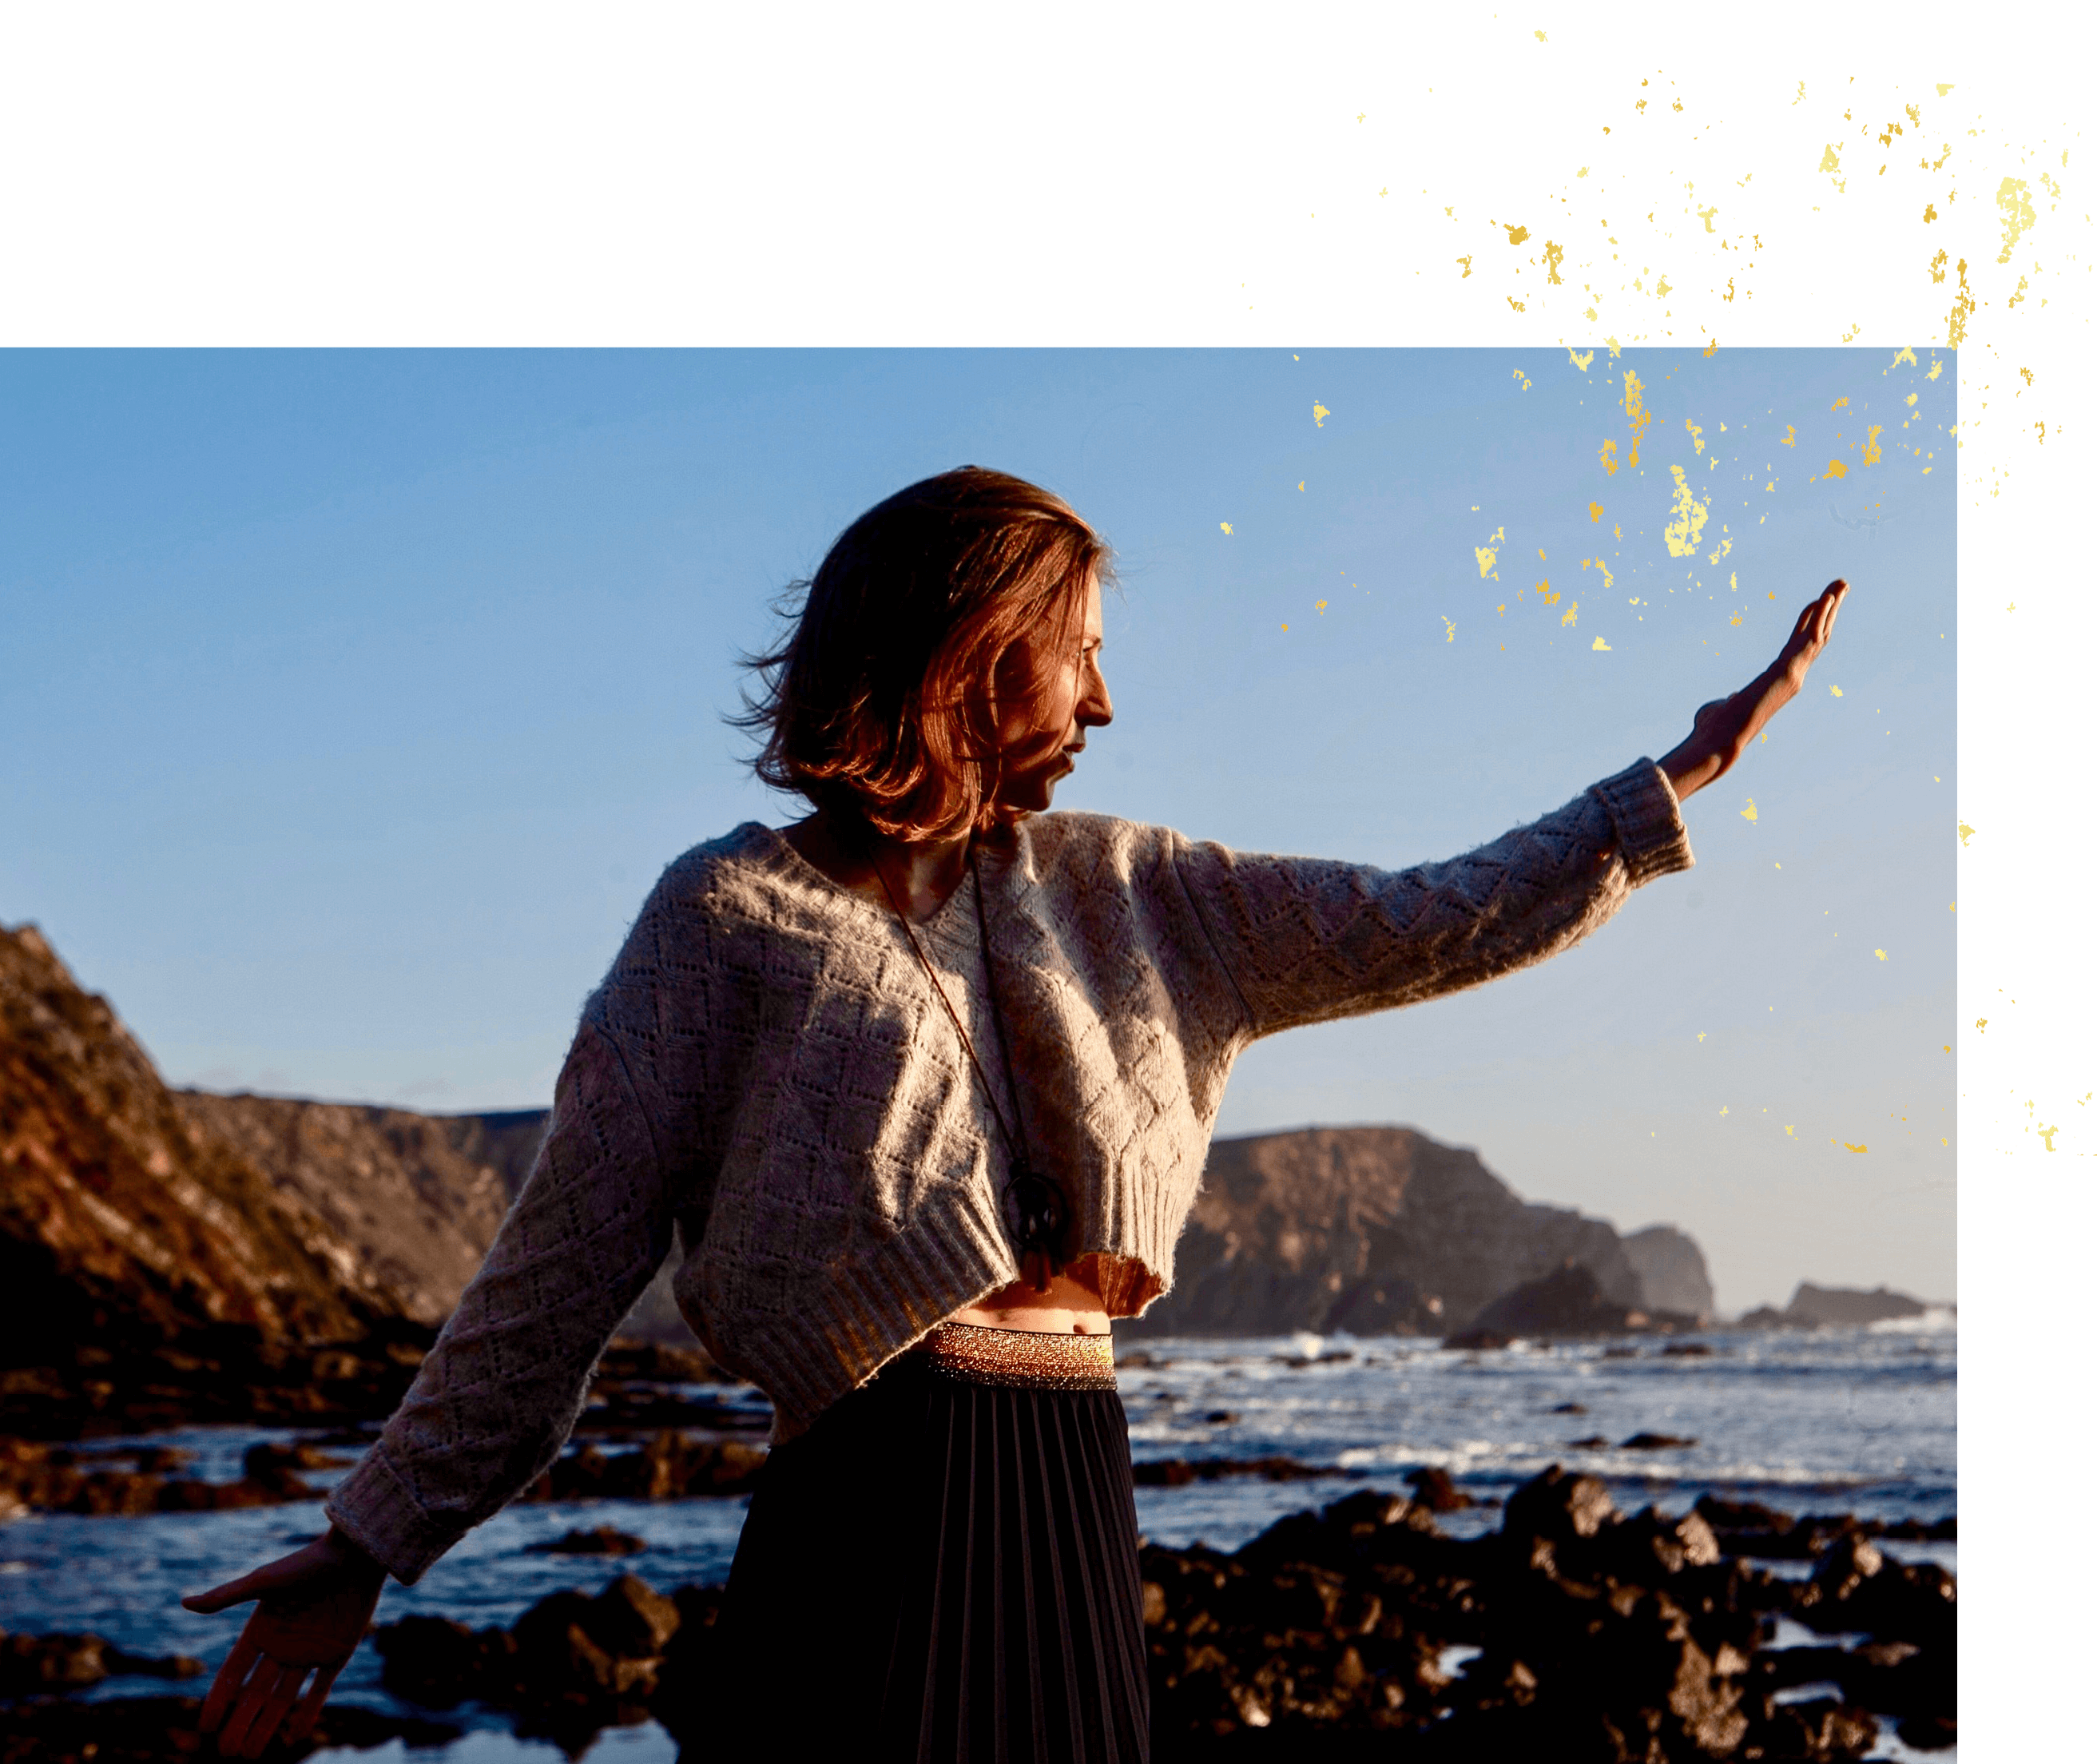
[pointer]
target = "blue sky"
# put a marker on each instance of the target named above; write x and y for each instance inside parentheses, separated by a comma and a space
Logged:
(353, 700)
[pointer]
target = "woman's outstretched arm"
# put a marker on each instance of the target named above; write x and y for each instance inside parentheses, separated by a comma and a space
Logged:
(1305, 940)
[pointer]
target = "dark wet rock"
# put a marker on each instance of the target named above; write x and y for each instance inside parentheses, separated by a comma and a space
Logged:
(1432, 1489)
(601, 1540)
(1587, 1443)
(1221, 1417)
(1929, 1733)
(39, 1477)
(1656, 1443)
(1856, 1587)
(31, 1663)
(571, 1664)
(1477, 1341)
(157, 1730)
(1821, 1730)
(670, 1466)
(1686, 1350)
(1570, 1408)
(1177, 1473)
(1557, 1507)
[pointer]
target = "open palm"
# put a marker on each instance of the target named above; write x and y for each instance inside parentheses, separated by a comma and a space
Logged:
(315, 1606)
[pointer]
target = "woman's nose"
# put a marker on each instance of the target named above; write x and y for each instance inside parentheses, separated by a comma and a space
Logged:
(1095, 708)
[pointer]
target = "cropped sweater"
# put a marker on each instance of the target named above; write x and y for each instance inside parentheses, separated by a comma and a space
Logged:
(766, 1078)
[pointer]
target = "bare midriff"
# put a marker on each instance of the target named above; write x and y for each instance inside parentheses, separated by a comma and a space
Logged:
(1072, 1305)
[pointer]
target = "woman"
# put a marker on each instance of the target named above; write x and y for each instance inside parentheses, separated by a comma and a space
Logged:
(924, 1085)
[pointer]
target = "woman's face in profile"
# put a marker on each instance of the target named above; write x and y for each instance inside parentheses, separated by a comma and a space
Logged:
(1050, 691)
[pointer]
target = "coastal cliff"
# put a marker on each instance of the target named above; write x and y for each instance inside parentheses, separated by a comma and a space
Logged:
(1381, 1229)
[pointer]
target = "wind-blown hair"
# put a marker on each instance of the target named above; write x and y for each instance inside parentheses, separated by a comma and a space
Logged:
(880, 704)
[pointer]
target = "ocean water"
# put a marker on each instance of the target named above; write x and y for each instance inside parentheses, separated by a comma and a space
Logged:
(1857, 1420)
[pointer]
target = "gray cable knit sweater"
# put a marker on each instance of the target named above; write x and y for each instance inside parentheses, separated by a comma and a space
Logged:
(766, 1075)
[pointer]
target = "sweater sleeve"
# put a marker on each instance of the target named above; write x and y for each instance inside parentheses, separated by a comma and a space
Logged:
(499, 1393)
(1304, 940)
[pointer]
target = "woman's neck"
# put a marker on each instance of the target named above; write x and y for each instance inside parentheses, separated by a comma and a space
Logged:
(916, 876)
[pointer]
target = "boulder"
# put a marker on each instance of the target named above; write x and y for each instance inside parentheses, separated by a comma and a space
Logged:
(1671, 1272)
(1569, 1300)
(1812, 1306)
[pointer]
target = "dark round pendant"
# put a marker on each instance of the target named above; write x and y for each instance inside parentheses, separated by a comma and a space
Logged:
(1035, 1214)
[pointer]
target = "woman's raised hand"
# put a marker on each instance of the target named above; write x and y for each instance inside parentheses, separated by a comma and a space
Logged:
(1722, 728)
(315, 1605)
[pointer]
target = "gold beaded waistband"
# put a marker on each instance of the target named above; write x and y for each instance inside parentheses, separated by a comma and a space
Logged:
(1021, 1358)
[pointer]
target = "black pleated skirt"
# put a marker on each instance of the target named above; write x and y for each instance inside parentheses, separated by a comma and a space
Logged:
(943, 1569)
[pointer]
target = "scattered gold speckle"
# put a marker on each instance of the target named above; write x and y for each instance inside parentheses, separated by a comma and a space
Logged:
(1319, 414)
(1749, 814)
(1599, 645)
(1225, 525)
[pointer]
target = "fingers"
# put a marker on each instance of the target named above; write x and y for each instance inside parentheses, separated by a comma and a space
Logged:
(231, 1592)
(309, 1711)
(227, 1686)
(245, 1732)
(275, 1705)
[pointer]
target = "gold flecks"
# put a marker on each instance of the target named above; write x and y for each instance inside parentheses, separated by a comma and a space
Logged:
(1609, 581)
(1962, 309)
(1319, 414)
(1749, 814)
(1683, 532)
(1695, 434)
(1599, 645)
(1579, 360)
(1225, 525)
(1487, 556)
(2019, 216)
(1790, 436)
(1320, 607)
(1609, 458)
(1942, 89)
(1848, 1147)
(2046, 1134)
(1837, 690)
(1929, 212)
(1516, 234)
(1906, 355)
(1966, 833)
(1570, 616)
(1705, 216)
(1299, 484)
(1466, 262)
(1700, 1034)
(1871, 444)
(1594, 511)
(1451, 623)
(1519, 306)
(1838, 404)
(1553, 256)
(1836, 469)
(1641, 418)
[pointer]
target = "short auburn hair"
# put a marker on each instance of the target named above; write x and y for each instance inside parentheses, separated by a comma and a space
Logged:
(877, 705)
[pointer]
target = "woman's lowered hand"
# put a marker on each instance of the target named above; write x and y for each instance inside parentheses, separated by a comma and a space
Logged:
(1723, 728)
(315, 1605)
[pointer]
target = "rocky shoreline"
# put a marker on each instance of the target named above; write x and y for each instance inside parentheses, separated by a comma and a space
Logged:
(1574, 1632)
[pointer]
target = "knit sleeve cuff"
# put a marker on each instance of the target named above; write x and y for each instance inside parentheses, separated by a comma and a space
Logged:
(373, 1507)
(1648, 816)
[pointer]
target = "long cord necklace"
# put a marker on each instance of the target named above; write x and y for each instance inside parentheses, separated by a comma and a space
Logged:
(1035, 1212)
